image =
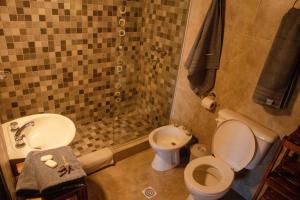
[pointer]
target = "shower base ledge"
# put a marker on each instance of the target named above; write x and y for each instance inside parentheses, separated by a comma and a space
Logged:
(106, 157)
(96, 160)
(123, 151)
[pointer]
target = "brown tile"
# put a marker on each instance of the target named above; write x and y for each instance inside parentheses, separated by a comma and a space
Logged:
(66, 51)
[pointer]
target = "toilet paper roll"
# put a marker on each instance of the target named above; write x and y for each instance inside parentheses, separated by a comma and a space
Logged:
(209, 103)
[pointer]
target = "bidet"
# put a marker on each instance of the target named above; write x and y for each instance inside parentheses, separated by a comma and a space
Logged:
(166, 141)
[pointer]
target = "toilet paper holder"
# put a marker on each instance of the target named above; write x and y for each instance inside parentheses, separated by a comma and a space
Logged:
(211, 94)
(209, 102)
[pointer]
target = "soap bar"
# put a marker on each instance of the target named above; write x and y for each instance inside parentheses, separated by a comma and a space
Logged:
(51, 163)
(46, 157)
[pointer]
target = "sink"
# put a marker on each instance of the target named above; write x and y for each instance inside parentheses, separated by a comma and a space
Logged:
(49, 131)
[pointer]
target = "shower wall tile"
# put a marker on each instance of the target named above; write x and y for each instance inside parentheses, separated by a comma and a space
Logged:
(162, 37)
(62, 57)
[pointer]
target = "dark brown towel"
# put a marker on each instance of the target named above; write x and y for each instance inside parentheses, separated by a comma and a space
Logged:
(204, 58)
(281, 69)
(37, 178)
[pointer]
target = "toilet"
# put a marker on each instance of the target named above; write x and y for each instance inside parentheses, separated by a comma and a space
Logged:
(238, 143)
(166, 141)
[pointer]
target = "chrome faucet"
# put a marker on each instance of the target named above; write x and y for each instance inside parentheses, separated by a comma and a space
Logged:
(20, 130)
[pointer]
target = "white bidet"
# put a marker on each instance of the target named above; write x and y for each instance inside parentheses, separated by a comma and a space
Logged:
(166, 142)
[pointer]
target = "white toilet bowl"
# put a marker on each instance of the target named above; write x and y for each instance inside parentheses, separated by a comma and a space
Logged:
(166, 142)
(207, 178)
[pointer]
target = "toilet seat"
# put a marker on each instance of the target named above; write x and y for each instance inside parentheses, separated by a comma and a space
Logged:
(226, 173)
(233, 147)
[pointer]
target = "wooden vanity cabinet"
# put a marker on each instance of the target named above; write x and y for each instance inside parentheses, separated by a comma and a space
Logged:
(281, 180)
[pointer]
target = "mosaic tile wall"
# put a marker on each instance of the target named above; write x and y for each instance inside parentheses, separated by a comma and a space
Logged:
(63, 57)
(61, 54)
(93, 136)
(162, 37)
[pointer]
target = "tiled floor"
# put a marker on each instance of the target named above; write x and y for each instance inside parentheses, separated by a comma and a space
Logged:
(127, 179)
(110, 131)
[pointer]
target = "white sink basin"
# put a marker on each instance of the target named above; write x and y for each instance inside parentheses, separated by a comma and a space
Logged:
(49, 131)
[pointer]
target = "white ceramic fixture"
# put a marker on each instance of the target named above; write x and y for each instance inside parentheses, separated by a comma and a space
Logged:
(237, 143)
(45, 131)
(166, 142)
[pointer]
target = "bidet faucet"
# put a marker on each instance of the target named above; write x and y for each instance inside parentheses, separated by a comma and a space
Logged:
(20, 130)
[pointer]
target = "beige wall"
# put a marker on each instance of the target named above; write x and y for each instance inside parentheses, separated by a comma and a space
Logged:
(249, 30)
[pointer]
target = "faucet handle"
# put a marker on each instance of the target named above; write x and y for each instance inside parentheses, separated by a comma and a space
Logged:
(14, 126)
(20, 144)
(19, 138)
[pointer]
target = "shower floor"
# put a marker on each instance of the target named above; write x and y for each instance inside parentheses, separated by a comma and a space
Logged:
(109, 132)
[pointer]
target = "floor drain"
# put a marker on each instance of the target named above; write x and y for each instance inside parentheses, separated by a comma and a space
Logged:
(149, 192)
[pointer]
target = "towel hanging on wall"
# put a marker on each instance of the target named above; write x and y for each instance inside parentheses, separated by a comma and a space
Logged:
(281, 69)
(204, 58)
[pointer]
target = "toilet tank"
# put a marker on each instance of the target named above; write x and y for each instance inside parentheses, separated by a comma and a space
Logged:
(264, 136)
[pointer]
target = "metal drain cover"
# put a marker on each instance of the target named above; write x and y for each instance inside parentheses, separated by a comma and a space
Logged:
(149, 192)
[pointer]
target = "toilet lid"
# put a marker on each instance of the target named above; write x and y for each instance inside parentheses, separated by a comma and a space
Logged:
(234, 143)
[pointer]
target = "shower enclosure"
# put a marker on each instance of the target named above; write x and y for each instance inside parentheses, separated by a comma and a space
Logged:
(110, 66)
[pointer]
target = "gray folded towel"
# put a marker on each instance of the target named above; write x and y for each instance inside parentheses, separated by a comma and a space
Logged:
(281, 69)
(37, 178)
(204, 58)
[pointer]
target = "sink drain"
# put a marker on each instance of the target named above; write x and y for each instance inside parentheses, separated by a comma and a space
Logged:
(173, 143)
(149, 192)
